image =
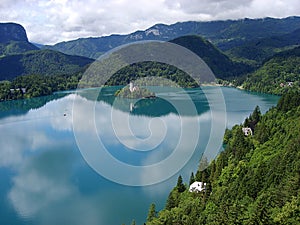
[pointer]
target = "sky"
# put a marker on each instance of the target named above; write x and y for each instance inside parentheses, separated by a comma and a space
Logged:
(53, 21)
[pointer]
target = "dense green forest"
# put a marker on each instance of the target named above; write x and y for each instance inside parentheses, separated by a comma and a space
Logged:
(255, 52)
(220, 64)
(36, 85)
(277, 75)
(255, 180)
(16, 47)
(151, 69)
(41, 62)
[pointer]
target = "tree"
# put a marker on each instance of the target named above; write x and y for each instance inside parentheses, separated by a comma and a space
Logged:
(133, 222)
(180, 186)
(254, 118)
(151, 213)
(262, 132)
(171, 203)
(192, 178)
(289, 213)
(198, 176)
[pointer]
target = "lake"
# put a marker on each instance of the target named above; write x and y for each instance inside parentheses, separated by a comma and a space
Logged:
(73, 158)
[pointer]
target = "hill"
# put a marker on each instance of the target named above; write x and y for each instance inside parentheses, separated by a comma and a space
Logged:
(255, 180)
(16, 47)
(218, 62)
(224, 34)
(259, 50)
(277, 75)
(42, 62)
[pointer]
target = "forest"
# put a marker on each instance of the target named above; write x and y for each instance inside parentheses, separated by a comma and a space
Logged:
(277, 75)
(254, 180)
(37, 85)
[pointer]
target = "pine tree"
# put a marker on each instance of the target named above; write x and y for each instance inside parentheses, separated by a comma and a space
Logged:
(151, 213)
(198, 176)
(180, 186)
(192, 178)
(171, 203)
(254, 118)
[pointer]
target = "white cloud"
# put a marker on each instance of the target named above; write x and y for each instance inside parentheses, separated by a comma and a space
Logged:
(47, 196)
(53, 21)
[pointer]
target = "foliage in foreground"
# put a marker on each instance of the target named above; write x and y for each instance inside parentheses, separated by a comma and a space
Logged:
(255, 180)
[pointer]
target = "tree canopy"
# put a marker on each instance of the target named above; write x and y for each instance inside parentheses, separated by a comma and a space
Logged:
(254, 180)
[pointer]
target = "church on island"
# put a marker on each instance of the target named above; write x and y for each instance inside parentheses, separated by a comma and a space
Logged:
(132, 87)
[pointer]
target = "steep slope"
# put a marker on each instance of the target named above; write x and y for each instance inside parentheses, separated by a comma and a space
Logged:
(42, 62)
(12, 32)
(16, 47)
(278, 74)
(255, 180)
(13, 39)
(259, 50)
(219, 63)
(224, 34)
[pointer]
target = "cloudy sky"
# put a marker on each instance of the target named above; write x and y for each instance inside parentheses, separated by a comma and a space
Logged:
(52, 21)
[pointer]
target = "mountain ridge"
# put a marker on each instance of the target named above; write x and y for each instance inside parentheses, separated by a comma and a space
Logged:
(225, 34)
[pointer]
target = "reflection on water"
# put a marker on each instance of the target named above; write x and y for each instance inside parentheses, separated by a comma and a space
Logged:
(45, 180)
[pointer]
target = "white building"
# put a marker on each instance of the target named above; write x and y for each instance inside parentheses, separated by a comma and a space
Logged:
(132, 88)
(197, 187)
(247, 131)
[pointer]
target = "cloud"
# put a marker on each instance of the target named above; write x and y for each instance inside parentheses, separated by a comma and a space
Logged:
(210, 7)
(48, 195)
(54, 21)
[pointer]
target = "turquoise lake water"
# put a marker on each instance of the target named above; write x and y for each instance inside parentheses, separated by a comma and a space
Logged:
(53, 163)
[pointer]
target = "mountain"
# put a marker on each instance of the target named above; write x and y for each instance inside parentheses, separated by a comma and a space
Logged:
(255, 180)
(221, 65)
(41, 62)
(259, 50)
(224, 34)
(16, 47)
(278, 74)
(12, 32)
(13, 39)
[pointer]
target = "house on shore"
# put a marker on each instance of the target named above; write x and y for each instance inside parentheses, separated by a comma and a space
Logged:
(197, 187)
(247, 131)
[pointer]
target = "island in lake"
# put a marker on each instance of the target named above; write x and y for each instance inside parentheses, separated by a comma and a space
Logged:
(133, 91)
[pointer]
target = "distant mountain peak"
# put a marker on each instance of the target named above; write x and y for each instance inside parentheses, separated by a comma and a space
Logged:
(13, 39)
